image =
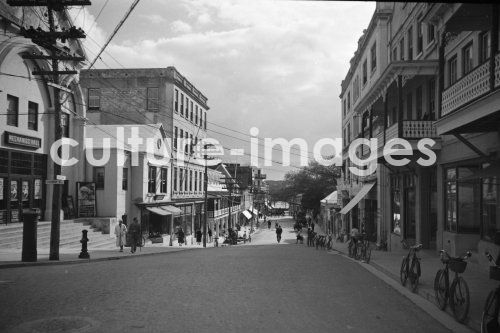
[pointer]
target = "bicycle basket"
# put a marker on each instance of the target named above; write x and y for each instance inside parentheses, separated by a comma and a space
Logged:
(495, 273)
(457, 266)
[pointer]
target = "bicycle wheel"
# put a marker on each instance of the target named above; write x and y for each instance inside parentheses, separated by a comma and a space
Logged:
(441, 288)
(350, 247)
(359, 252)
(489, 320)
(403, 273)
(460, 299)
(368, 254)
(414, 274)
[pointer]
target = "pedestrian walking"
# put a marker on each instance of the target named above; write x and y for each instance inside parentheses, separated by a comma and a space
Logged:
(245, 237)
(209, 235)
(121, 234)
(198, 236)
(180, 236)
(279, 231)
(312, 226)
(134, 231)
(269, 224)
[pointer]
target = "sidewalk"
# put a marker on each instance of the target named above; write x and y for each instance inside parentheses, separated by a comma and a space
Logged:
(476, 276)
(10, 258)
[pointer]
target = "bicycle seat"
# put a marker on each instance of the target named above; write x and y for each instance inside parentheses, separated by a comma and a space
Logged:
(416, 247)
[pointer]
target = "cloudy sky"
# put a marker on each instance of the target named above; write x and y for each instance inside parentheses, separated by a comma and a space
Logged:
(272, 64)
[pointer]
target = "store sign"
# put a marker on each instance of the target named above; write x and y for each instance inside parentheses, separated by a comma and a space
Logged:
(22, 140)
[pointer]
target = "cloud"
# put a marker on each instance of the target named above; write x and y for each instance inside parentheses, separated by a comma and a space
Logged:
(276, 65)
(180, 26)
(154, 18)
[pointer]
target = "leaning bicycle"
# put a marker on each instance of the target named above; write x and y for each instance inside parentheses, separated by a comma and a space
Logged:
(410, 268)
(364, 251)
(456, 294)
(490, 319)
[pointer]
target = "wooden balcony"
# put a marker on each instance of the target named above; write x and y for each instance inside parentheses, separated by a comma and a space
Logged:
(469, 87)
(418, 129)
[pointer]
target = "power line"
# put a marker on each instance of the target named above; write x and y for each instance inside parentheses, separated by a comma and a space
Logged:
(97, 17)
(115, 31)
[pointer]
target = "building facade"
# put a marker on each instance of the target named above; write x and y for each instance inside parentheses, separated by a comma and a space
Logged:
(27, 121)
(439, 83)
(157, 95)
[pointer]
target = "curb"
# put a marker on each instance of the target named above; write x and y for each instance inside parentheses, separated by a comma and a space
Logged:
(18, 264)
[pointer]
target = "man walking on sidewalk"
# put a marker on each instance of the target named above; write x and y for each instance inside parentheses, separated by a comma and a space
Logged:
(134, 230)
(279, 231)
(121, 234)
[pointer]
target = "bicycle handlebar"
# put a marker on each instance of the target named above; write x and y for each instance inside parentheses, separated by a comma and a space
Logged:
(465, 257)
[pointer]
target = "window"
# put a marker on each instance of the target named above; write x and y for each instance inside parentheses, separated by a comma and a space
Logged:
(348, 101)
(420, 36)
(152, 179)
(152, 102)
(467, 61)
(186, 147)
(490, 209)
(65, 124)
(164, 179)
(12, 110)
(365, 72)
(409, 107)
(202, 179)
(410, 43)
(176, 101)
(349, 133)
(419, 102)
(462, 201)
(343, 107)
(176, 135)
(99, 178)
(182, 104)
(196, 181)
(186, 110)
(190, 180)
(452, 70)
(196, 115)
(205, 120)
(484, 52)
(181, 137)
(395, 54)
(175, 179)
(191, 111)
(33, 116)
(344, 138)
(432, 100)
(94, 98)
(430, 33)
(402, 49)
(191, 143)
(125, 179)
(373, 53)
(181, 180)
(355, 89)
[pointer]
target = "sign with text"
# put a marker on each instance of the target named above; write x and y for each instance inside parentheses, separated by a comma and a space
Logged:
(22, 140)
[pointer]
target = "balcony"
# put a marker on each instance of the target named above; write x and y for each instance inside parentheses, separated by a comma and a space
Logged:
(469, 87)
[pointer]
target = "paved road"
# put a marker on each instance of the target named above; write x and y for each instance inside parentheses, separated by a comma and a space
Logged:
(268, 288)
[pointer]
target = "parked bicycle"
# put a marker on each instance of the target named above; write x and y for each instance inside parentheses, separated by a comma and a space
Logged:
(410, 268)
(457, 295)
(490, 318)
(353, 247)
(364, 251)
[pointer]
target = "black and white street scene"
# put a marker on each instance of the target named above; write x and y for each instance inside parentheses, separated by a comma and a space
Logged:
(249, 166)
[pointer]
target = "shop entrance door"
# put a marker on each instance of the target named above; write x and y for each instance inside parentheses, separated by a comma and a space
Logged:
(410, 225)
(19, 198)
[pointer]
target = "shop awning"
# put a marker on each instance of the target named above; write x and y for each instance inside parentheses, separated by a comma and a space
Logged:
(158, 211)
(357, 198)
(172, 209)
(247, 214)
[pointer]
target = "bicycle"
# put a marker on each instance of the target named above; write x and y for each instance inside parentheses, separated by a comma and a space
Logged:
(410, 268)
(490, 318)
(353, 247)
(457, 295)
(364, 251)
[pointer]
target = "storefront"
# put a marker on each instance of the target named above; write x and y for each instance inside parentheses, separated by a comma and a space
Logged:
(22, 178)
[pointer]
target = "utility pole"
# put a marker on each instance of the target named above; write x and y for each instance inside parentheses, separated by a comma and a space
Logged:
(205, 189)
(48, 41)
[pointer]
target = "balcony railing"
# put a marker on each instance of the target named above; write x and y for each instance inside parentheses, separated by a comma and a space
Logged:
(417, 129)
(497, 70)
(471, 86)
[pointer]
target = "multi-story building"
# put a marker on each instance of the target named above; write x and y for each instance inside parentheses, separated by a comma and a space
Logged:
(150, 96)
(439, 81)
(27, 121)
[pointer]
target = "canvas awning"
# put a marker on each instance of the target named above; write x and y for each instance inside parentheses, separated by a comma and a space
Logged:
(331, 198)
(357, 198)
(247, 214)
(158, 211)
(172, 209)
